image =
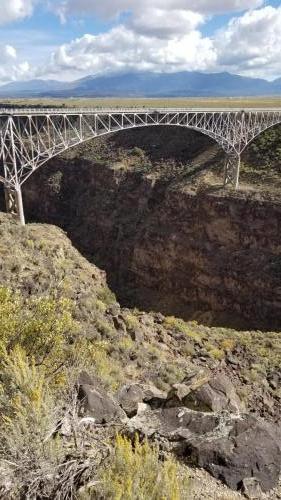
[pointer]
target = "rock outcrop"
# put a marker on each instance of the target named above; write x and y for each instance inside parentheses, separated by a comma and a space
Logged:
(240, 449)
(198, 391)
(204, 391)
(131, 395)
(232, 448)
(95, 402)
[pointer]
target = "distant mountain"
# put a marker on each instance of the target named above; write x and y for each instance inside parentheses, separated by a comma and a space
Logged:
(31, 88)
(147, 84)
(277, 85)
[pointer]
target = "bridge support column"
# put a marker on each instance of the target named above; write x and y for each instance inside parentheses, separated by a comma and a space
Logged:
(232, 169)
(14, 204)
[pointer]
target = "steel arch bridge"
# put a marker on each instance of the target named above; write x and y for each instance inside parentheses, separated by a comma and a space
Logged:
(30, 137)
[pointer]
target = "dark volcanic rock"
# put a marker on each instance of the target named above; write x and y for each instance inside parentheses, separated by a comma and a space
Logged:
(129, 397)
(249, 447)
(231, 448)
(96, 402)
(206, 392)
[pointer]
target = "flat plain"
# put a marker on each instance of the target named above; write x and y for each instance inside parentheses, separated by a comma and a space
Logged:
(239, 102)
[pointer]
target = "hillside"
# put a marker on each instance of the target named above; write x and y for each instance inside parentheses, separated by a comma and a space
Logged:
(69, 322)
(149, 84)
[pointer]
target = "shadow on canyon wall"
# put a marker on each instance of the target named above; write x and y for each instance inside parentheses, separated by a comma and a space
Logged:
(148, 207)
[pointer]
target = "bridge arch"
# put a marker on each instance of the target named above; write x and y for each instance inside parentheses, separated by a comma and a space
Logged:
(88, 139)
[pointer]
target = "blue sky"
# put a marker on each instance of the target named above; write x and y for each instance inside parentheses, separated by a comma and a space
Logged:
(69, 39)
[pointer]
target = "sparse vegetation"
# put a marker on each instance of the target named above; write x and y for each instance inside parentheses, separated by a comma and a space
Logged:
(150, 103)
(59, 317)
(135, 472)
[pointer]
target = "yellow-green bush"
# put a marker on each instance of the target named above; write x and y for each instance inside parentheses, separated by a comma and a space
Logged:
(29, 413)
(180, 326)
(228, 344)
(108, 369)
(216, 353)
(41, 326)
(131, 321)
(135, 472)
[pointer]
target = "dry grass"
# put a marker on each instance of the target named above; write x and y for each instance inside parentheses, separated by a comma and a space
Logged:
(231, 102)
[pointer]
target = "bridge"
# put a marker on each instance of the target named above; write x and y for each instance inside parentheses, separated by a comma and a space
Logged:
(30, 137)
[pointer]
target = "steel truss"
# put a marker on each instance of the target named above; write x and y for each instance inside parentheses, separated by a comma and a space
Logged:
(30, 137)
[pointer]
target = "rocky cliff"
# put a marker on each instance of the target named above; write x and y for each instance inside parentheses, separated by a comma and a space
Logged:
(76, 368)
(148, 207)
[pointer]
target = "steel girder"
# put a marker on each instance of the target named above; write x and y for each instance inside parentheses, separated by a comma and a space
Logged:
(30, 137)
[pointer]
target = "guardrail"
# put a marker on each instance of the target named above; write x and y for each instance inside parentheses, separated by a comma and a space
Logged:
(81, 111)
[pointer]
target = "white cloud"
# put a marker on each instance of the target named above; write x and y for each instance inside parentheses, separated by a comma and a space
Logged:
(10, 69)
(154, 35)
(251, 44)
(7, 53)
(163, 24)
(164, 35)
(14, 10)
(113, 8)
(122, 49)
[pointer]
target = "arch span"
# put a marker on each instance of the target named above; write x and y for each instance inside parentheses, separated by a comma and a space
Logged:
(30, 137)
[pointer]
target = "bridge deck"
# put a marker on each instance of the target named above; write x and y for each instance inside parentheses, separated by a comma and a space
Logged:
(75, 111)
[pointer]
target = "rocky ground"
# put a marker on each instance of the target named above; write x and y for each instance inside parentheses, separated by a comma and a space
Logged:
(209, 396)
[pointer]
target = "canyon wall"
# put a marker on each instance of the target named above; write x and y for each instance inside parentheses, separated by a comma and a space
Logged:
(167, 243)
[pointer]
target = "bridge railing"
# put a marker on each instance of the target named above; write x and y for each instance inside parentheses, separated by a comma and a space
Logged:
(79, 111)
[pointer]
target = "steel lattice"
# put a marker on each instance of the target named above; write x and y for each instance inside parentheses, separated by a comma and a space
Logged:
(30, 137)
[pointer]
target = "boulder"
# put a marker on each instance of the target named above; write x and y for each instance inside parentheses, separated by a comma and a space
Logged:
(206, 392)
(216, 395)
(191, 382)
(136, 335)
(129, 397)
(96, 403)
(232, 448)
(249, 447)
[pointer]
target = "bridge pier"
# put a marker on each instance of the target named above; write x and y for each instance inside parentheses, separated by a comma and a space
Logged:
(14, 203)
(232, 169)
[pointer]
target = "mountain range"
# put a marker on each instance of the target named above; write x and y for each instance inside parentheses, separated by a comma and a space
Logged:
(146, 84)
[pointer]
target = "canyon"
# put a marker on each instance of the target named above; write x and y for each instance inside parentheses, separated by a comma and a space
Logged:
(185, 354)
(148, 207)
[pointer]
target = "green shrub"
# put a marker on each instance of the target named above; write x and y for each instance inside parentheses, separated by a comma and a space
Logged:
(106, 296)
(138, 152)
(26, 401)
(29, 414)
(180, 326)
(41, 326)
(216, 353)
(135, 472)
(131, 321)
(108, 369)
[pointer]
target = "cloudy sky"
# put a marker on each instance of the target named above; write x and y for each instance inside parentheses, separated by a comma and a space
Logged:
(68, 39)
